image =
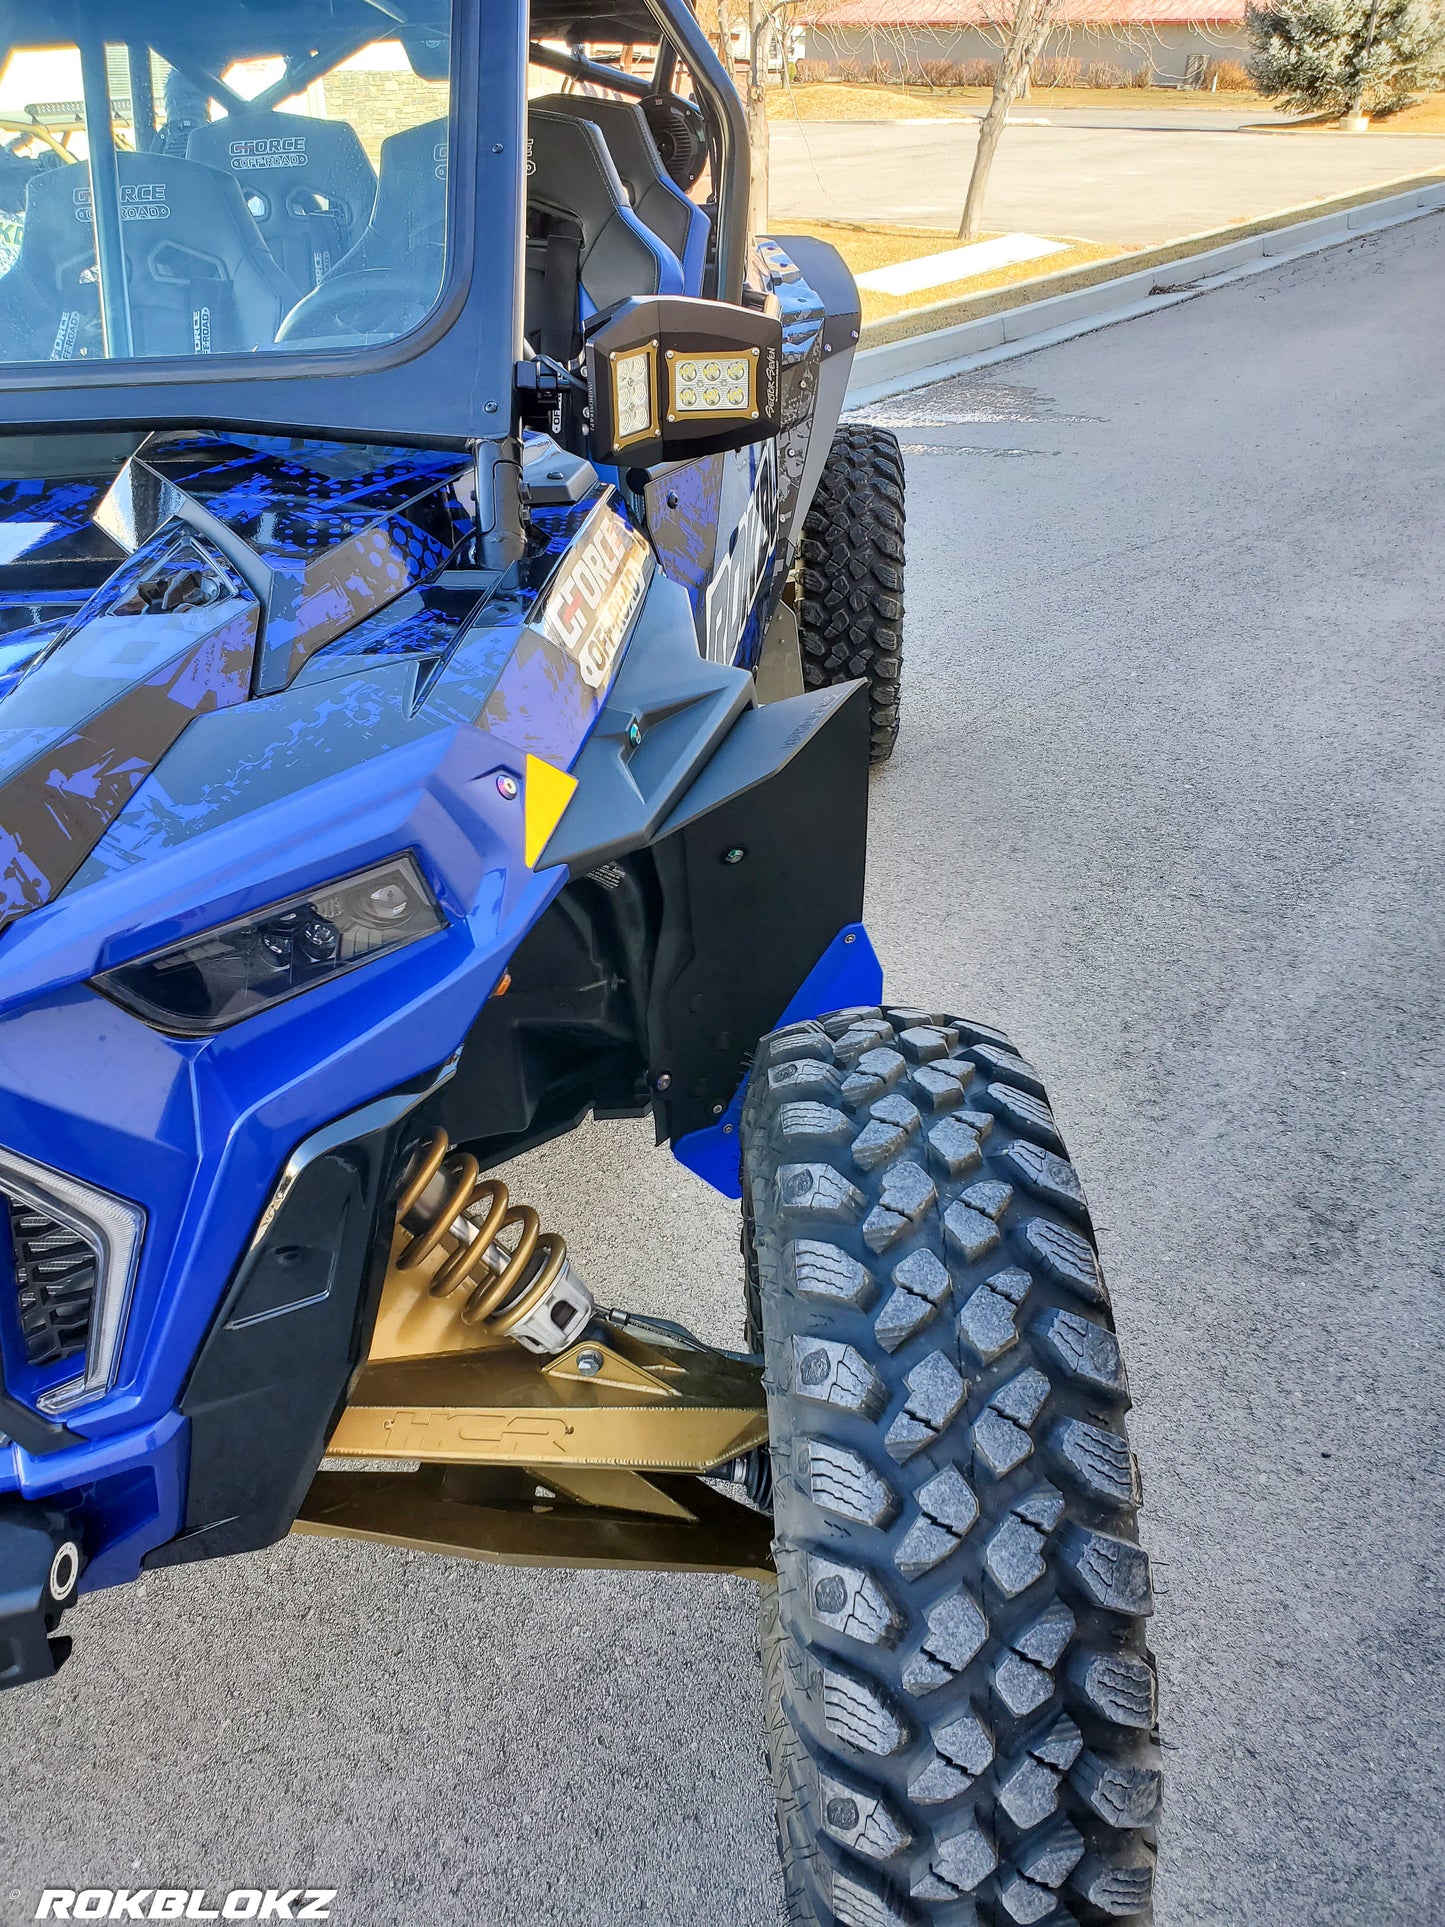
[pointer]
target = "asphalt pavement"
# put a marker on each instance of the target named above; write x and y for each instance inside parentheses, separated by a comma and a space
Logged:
(1087, 176)
(1168, 805)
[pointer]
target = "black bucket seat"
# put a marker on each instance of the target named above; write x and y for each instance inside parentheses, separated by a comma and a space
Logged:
(308, 183)
(586, 248)
(656, 199)
(200, 278)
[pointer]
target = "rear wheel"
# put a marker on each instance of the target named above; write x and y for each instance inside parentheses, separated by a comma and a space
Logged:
(850, 576)
(961, 1705)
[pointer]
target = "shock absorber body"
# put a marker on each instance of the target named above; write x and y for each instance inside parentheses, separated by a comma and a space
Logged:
(518, 1281)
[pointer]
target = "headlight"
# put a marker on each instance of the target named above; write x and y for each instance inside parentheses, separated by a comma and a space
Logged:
(210, 981)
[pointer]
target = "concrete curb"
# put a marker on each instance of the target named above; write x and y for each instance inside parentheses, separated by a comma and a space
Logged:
(895, 366)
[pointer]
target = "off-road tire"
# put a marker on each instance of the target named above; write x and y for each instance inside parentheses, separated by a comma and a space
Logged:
(962, 1711)
(850, 576)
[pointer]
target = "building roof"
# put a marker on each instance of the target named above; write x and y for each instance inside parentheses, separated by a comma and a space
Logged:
(885, 14)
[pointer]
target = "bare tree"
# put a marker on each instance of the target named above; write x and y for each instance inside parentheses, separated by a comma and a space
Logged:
(762, 37)
(759, 19)
(1022, 27)
(770, 30)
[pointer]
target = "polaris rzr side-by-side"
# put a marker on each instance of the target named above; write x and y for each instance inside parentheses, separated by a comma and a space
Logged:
(444, 633)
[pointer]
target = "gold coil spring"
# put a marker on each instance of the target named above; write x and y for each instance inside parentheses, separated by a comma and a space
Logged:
(507, 1283)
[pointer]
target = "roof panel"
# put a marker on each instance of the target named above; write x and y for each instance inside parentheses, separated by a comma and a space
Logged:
(980, 13)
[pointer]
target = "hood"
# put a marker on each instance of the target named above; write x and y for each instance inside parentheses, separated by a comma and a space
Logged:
(144, 588)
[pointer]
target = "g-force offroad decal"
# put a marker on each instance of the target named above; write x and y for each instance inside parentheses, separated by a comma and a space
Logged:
(595, 595)
(139, 201)
(276, 150)
(742, 571)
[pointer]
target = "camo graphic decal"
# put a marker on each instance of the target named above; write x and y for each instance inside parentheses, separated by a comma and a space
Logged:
(297, 498)
(56, 806)
(553, 527)
(422, 622)
(45, 526)
(343, 530)
(21, 649)
(98, 770)
(119, 639)
(313, 604)
(540, 703)
(682, 518)
(803, 317)
(256, 754)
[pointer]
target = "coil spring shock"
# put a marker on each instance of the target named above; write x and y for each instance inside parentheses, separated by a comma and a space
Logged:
(470, 1213)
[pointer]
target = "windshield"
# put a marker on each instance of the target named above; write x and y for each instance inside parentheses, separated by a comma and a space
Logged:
(219, 177)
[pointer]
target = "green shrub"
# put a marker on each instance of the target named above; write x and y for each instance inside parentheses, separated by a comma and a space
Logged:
(1346, 56)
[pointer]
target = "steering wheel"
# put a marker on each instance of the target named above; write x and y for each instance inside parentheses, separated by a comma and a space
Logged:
(384, 302)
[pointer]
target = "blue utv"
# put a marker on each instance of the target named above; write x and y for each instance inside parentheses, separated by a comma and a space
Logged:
(444, 633)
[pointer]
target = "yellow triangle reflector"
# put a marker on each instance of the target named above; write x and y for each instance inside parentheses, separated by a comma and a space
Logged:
(546, 792)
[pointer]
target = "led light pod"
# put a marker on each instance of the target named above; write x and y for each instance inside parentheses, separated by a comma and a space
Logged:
(673, 376)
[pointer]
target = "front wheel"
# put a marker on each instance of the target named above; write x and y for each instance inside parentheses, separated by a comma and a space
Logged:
(961, 1707)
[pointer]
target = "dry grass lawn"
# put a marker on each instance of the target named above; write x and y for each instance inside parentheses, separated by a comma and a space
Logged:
(1421, 117)
(864, 247)
(1425, 117)
(861, 100)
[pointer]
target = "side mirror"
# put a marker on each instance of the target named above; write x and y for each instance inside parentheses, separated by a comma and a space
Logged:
(671, 376)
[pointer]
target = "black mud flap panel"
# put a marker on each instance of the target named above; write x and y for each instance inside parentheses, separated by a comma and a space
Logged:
(761, 865)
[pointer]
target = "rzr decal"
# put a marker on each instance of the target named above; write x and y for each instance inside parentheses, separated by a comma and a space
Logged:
(734, 589)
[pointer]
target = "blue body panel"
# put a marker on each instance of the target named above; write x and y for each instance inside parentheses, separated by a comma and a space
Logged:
(346, 694)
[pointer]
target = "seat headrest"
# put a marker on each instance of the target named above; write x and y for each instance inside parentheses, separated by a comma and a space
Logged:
(274, 153)
(411, 192)
(625, 134)
(178, 220)
(162, 200)
(572, 178)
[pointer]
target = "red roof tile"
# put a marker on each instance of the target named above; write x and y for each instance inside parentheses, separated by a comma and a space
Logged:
(1073, 13)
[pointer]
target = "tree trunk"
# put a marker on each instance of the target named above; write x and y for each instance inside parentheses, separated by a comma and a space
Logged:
(988, 139)
(761, 29)
(720, 30)
(1356, 105)
(1027, 30)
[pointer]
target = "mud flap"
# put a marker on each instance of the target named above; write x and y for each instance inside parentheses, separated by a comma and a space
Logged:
(761, 865)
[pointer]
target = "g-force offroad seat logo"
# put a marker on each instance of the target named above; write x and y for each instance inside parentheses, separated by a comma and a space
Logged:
(590, 606)
(139, 201)
(734, 589)
(280, 150)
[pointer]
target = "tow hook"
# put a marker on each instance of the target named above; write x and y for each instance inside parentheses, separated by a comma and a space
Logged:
(40, 1567)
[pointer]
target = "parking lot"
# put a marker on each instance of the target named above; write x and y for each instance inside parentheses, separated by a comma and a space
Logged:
(1168, 806)
(1103, 175)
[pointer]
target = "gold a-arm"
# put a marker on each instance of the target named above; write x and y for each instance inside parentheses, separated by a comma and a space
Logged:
(465, 1443)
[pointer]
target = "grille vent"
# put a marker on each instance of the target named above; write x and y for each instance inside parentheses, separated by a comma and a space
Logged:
(55, 1274)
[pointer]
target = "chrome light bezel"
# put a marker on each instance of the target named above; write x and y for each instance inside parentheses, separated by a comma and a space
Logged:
(114, 1229)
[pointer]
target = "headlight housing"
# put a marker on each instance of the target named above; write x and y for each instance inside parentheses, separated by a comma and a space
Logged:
(55, 1220)
(209, 982)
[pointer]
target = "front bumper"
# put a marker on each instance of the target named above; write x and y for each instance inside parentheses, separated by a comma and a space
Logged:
(40, 1563)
